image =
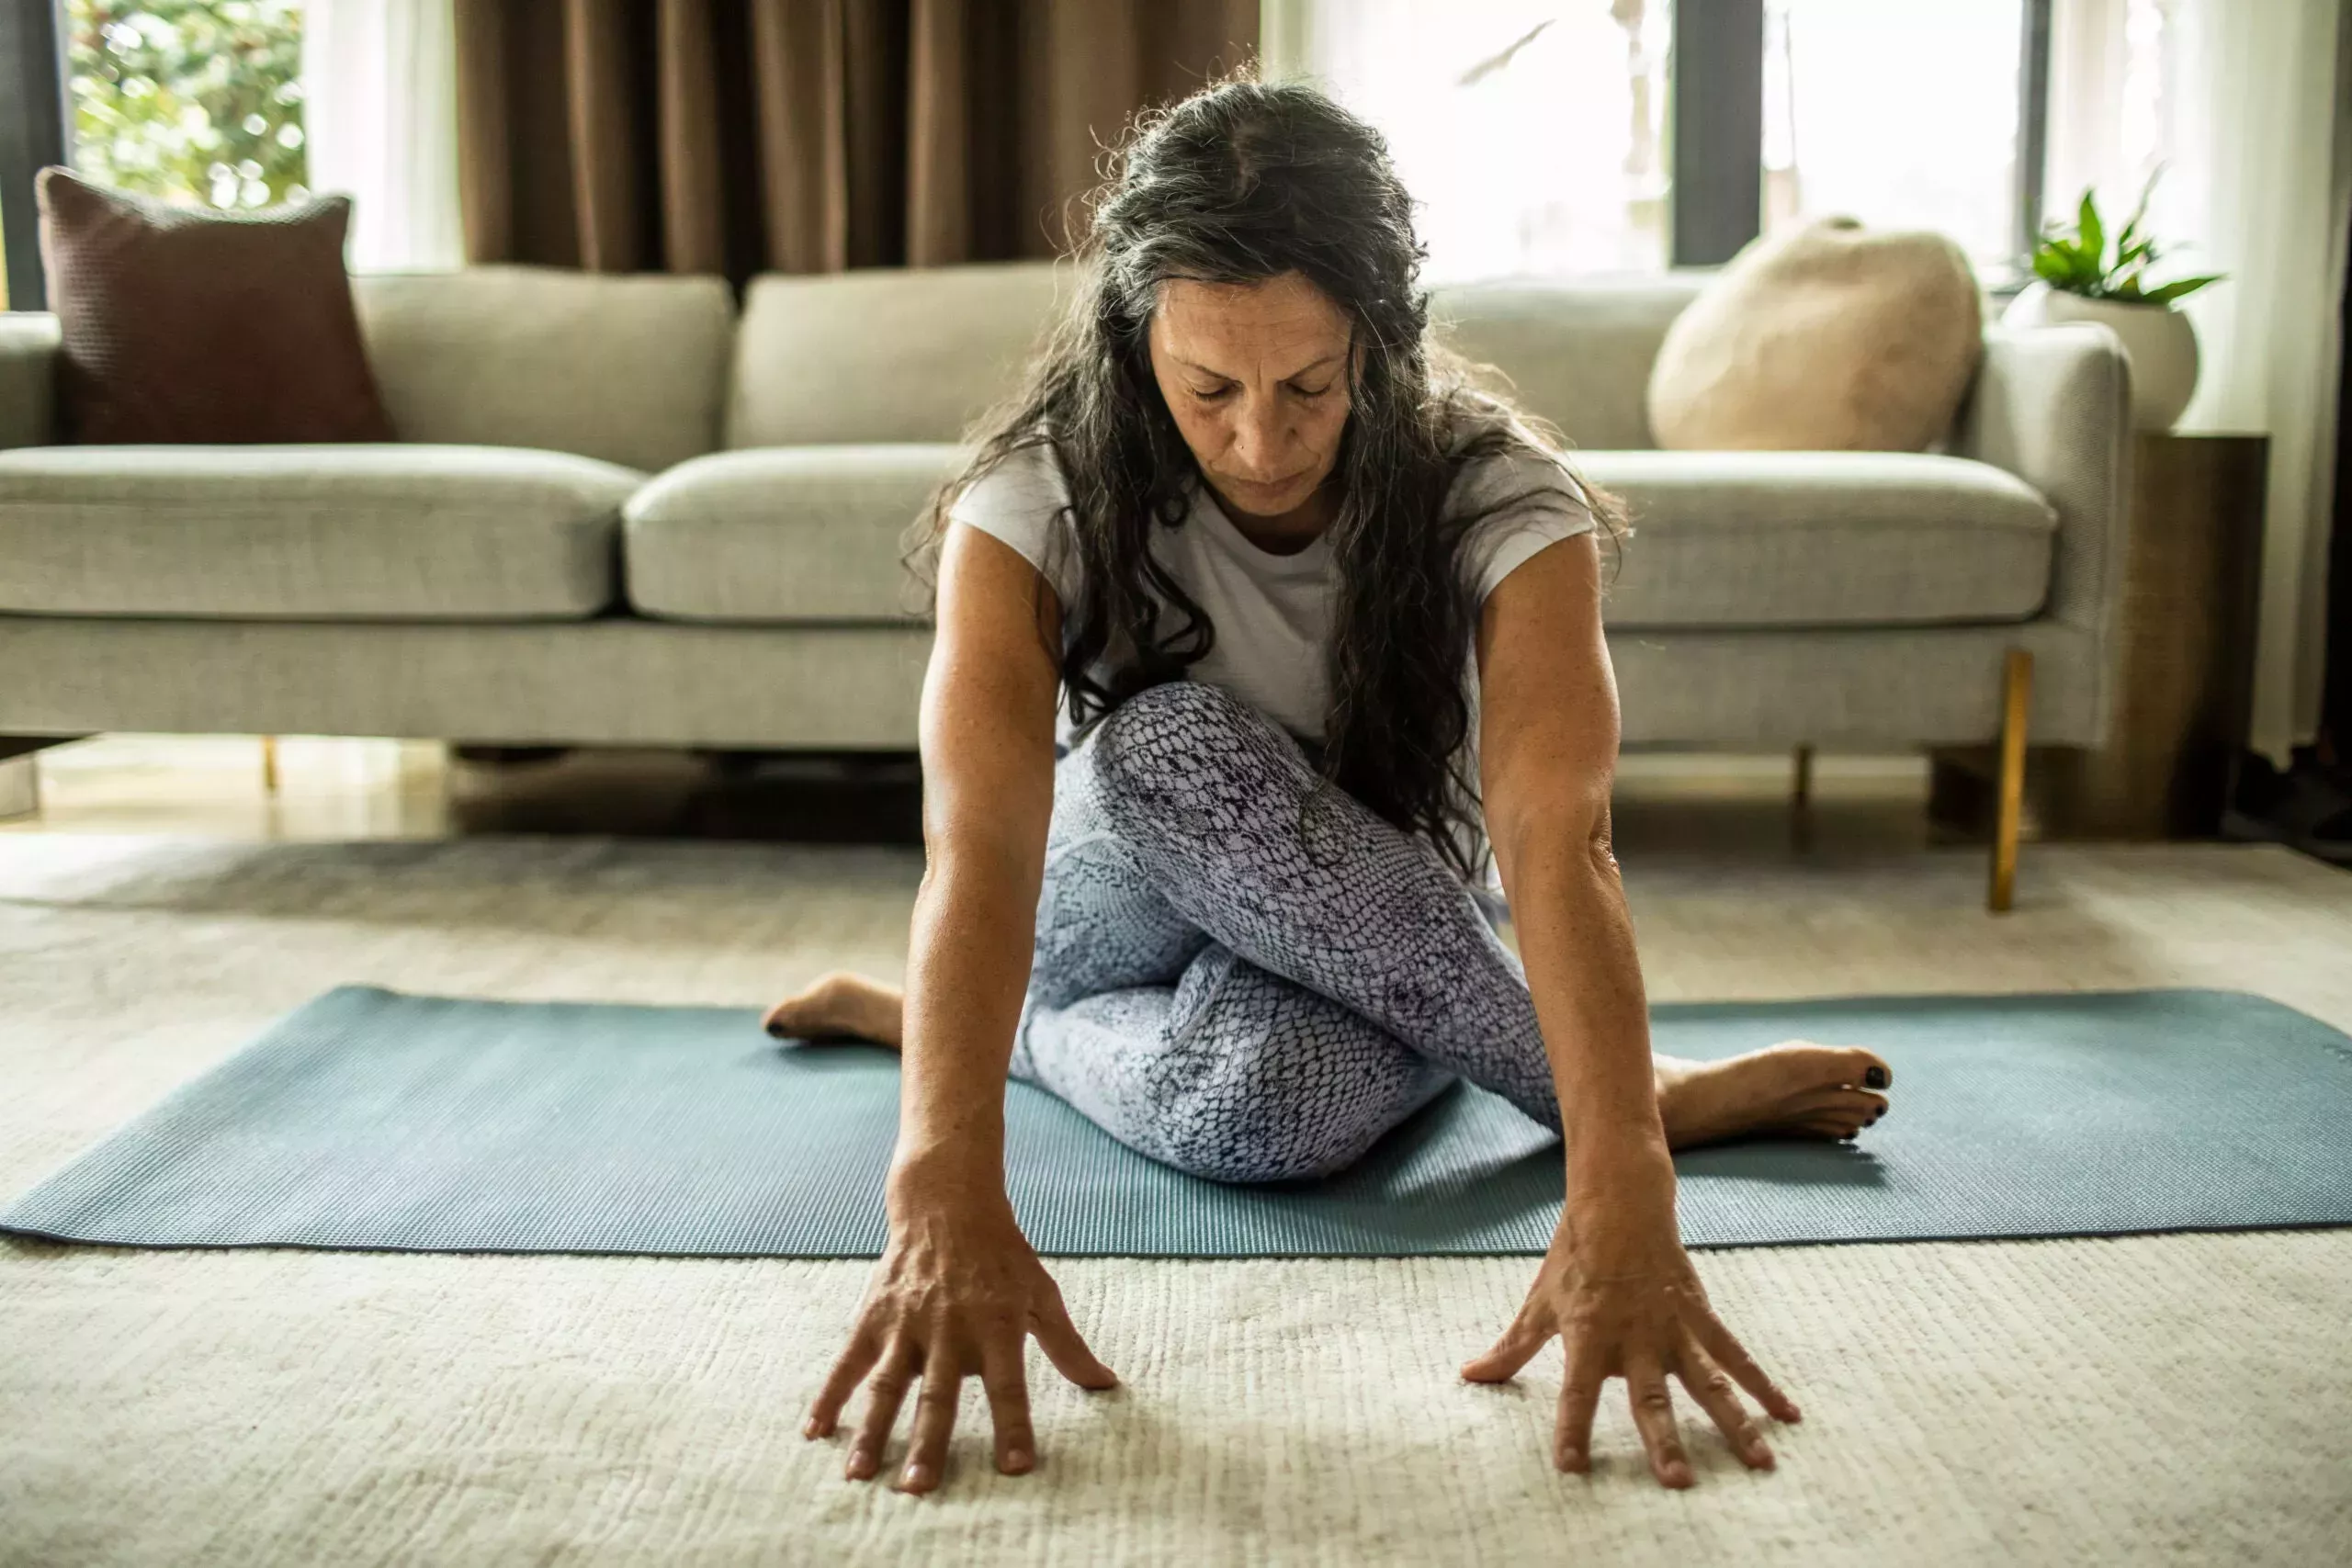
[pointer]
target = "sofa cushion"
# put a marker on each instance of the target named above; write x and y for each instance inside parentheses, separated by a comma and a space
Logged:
(1574, 351)
(916, 353)
(1722, 539)
(630, 370)
(886, 353)
(1740, 539)
(810, 534)
(397, 533)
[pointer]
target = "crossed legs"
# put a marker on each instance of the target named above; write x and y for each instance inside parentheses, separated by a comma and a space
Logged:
(1246, 974)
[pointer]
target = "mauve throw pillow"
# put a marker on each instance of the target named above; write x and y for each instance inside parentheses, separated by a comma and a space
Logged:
(189, 325)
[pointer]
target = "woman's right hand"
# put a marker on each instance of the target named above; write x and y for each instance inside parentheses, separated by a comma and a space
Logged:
(957, 1294)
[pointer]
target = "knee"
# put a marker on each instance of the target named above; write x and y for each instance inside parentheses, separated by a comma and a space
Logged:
(1174, 717)
(1255, 1120)
(1193, 732)
(1239, 1149)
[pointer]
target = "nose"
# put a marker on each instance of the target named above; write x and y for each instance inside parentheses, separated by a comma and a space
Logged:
(1258, 444)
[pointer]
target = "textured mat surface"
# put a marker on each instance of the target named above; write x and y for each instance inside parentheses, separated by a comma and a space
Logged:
(374, 1119)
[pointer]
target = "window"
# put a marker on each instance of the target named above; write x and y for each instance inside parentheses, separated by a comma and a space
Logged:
(192, 103)
(1532, 131)
(1540, 138)
(1902, 113)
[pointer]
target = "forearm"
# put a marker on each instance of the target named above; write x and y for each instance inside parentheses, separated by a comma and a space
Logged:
(1575, 936)
(966, 973)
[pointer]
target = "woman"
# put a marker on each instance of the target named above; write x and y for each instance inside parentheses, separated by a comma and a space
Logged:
(1305, 603)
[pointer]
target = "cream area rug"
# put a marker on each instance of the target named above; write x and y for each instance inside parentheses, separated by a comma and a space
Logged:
(2181, 1398)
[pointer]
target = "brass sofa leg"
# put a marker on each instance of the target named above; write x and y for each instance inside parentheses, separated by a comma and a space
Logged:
(269, 764)
(2017, 699)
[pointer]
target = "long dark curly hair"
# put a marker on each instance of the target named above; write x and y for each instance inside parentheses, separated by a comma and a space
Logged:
(1241, 182)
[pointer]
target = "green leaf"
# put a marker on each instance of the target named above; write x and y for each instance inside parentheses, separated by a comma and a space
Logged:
(2182, 287)
(2094, 237)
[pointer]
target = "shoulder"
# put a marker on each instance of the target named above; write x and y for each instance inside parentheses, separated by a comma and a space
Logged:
(1517, 498)
(1516, 482)
(1022, 500)
(1023, 486)
(1499, 464)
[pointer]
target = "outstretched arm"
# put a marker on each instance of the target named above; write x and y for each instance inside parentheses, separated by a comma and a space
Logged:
(1616, 1286)
(958, 1289)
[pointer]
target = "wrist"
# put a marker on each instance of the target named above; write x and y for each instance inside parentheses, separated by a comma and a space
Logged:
(1619, 1181)
(1613, 1152)
(953, 1177)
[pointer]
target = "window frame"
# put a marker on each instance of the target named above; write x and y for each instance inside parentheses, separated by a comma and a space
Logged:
(35, 132)
(1715, 199)
(1717, 83)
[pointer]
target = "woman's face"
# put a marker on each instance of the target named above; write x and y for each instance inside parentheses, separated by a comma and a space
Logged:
(1257, 377)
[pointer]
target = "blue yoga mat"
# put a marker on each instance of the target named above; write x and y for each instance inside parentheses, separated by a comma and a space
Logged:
(373, 1120)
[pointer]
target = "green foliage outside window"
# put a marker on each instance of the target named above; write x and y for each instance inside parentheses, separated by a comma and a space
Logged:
(192, 103)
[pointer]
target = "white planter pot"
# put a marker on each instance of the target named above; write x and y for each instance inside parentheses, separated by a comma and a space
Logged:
(2157, 340)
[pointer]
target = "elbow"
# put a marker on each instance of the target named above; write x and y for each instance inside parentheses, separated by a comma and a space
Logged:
(1567, 829)
(1590, 838)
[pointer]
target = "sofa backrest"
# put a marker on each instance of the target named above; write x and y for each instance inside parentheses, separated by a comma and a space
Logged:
(1575, 351)
(886, 353)
(631, 369)
(893, 355)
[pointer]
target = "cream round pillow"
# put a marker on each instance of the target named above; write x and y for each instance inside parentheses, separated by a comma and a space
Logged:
(1831, 337)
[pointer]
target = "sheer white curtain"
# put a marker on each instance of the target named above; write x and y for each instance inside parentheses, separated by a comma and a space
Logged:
(379, 82)
(2247, 105)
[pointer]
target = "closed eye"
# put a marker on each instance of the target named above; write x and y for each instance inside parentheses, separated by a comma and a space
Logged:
(1309, 392)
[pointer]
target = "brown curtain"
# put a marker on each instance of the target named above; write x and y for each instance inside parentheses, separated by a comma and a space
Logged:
(741, 136)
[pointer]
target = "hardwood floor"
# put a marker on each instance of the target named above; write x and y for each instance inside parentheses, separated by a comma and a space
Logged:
(212, 786)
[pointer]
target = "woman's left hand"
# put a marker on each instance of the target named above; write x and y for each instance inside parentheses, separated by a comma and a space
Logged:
(1625, 1301)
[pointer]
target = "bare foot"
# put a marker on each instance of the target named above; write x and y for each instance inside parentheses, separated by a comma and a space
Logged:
(1794, 1089)
(840, 1007)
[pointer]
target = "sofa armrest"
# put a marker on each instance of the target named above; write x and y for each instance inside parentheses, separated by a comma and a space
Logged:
(2052, 405)
(28, 374)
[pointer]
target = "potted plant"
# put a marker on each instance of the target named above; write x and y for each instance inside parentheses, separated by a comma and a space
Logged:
(2079, 277)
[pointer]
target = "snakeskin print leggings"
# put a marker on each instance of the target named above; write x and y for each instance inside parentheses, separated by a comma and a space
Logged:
(1244, 973)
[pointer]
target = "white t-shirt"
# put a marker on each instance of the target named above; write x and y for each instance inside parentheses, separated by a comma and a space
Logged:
(1272, 612)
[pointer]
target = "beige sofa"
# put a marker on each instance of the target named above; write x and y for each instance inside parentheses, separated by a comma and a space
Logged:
(621, 513)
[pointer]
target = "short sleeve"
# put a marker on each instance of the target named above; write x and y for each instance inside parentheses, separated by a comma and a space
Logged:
(1535, 500)
(1024, 501)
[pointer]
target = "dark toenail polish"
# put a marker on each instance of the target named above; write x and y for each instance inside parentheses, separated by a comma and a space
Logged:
(1874, 1079)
